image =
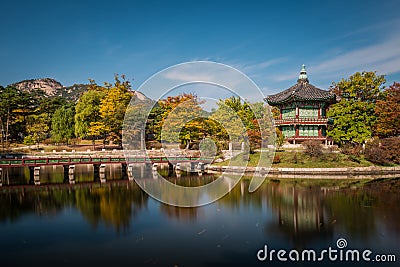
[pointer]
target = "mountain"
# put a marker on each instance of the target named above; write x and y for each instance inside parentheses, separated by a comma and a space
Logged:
(72, 92)
(52, 88)
(48, 85)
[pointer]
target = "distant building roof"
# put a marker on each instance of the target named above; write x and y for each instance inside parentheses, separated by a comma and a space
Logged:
(301, 91)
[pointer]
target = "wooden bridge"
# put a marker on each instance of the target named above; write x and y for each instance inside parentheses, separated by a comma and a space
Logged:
(99, 163)
(77, 160)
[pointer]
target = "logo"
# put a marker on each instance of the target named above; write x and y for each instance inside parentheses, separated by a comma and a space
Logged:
(332, 254)
(214, 83)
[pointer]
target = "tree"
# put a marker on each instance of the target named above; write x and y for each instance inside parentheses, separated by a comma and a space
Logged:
(37, 127)
(275, 112)
(388, 112)
(354, 115)
(8, 103)
(48, 106)
(63, 124)
(183, 119)
(98, 129)
(112, 108)
(244, 121)
(280, 138)
(28, 140)
(88, 110)
(227, 115)
(352, 121)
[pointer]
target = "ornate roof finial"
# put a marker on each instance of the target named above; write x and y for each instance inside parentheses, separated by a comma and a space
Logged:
(303, 74)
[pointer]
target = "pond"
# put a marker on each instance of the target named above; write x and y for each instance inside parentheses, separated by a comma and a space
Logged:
(117, 224)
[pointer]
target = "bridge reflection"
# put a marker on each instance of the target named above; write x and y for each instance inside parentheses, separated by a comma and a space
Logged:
(301, 214)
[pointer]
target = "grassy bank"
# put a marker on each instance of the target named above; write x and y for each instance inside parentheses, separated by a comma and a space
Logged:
(340, 183)
(302, 160)
(390, 183)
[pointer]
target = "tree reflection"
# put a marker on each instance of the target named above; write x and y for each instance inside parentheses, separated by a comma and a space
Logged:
(308, 213)
(180, 214)
(239, 197)
(113, 204)
(44, 201)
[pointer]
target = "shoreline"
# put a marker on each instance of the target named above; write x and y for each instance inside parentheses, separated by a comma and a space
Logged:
(371, 172)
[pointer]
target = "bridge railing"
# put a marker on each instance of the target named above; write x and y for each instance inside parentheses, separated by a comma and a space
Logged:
(41, 161)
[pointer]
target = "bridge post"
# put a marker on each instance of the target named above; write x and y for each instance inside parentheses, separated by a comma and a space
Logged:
(31, 175)
(1, 177)
(124, 170)
(102, 173)
(200, 168)
(36, 175)
(71, 174)
(178, 170)
(96, 169)
(66, 170)
(170, 169)
(170, 166)
(178, 166)
(130, 172)
(155, 165)
(192, 166)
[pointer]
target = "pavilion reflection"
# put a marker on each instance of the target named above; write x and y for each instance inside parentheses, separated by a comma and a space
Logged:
(301, 213)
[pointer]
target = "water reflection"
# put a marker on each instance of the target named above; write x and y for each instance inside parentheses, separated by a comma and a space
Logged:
(181, 214)
(282, 214)
(301, 213)
(113, 204)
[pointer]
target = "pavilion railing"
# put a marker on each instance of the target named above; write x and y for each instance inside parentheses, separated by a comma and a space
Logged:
(322, 120)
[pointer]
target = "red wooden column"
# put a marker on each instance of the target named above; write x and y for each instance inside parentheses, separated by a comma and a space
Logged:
(319, 131)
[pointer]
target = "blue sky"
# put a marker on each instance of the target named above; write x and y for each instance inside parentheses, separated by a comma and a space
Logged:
(72, 41)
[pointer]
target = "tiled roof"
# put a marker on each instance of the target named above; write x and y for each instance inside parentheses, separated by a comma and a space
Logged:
(301, 91)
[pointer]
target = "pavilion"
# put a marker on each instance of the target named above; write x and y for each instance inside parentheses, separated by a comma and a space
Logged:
(303, 111)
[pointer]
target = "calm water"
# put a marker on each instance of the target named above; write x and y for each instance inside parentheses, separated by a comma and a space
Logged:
(116, 224)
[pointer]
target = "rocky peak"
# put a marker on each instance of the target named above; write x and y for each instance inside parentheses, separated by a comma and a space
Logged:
(48, 85)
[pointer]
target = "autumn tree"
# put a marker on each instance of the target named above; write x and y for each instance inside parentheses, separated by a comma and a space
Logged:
(112, 108)
(183, 119)
(37, 127)
(88, 110)
(354, 115)
(137, 122)
(280, 138)
(245, 121)
(227, 115)
(388, 112)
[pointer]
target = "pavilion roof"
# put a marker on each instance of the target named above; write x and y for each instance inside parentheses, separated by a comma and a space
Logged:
(301, 91)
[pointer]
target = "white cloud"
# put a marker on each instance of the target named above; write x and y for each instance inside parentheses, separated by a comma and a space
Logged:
(182, 76)
(256, 68)
(383, 57)
(367, 58)
(190, 75)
